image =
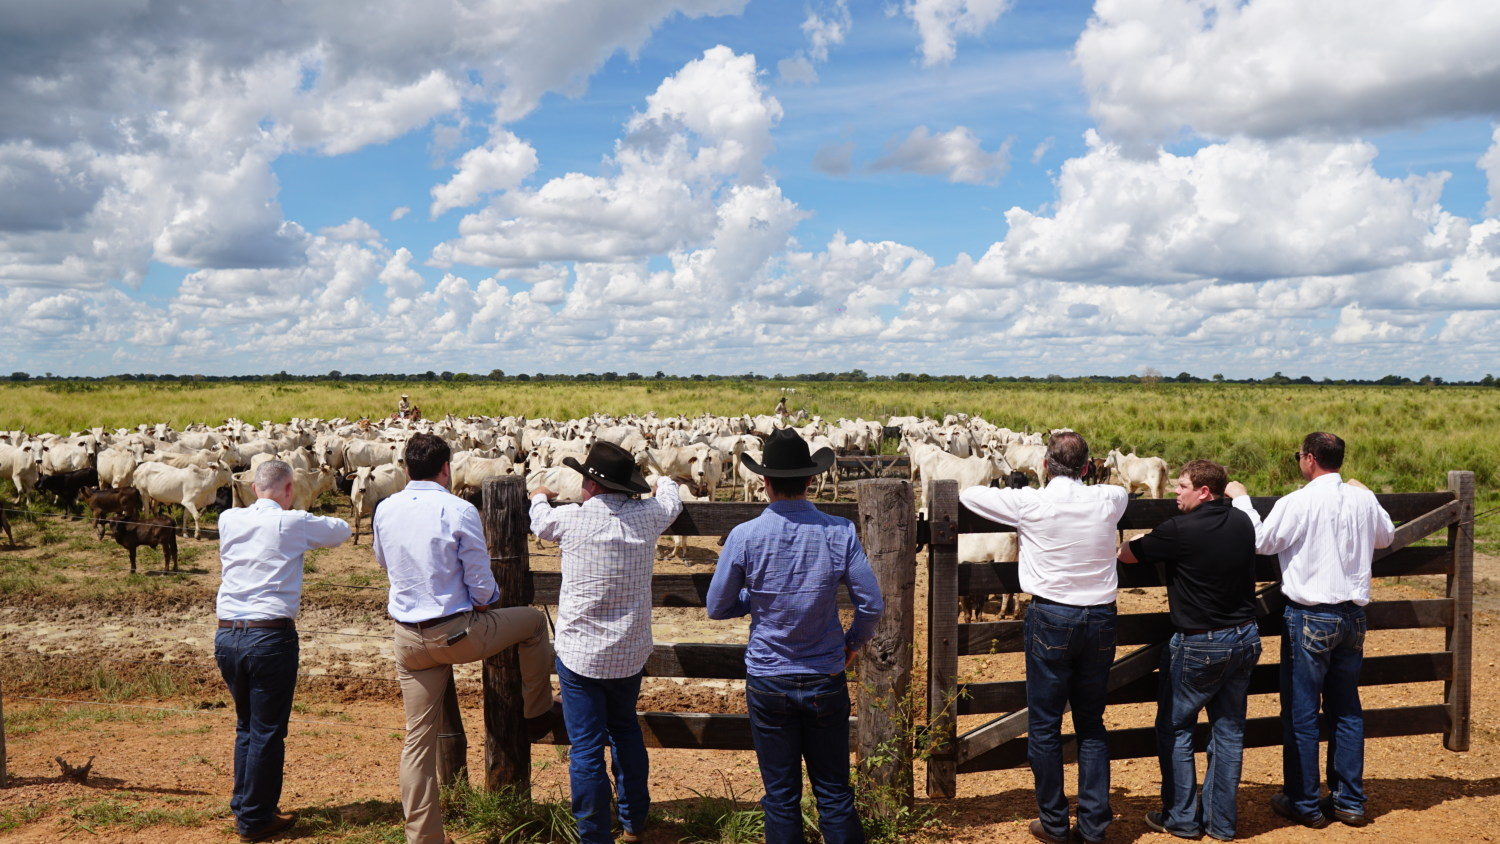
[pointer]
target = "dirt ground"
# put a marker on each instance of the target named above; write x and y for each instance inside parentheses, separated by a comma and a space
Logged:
(167, 769)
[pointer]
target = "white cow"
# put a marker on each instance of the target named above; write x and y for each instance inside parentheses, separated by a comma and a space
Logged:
(370, 453)
(22, 466)
(193, 487)
(1030, 458)
(470, 470)
(753, 485)
(117, 466)
(1147, 475)
(700, 463)
(566, 482)
(372, 485)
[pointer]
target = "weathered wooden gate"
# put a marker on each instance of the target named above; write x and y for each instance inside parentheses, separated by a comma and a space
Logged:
(1000, 743)
(886, 519)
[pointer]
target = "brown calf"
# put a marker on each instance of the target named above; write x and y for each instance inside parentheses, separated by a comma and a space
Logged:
(123, 501)
(159, 532)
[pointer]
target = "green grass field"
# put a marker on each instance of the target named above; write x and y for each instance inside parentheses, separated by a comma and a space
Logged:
(1400, 438)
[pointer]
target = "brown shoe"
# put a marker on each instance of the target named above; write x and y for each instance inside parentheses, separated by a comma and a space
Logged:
(1040, 833)
(277, 825)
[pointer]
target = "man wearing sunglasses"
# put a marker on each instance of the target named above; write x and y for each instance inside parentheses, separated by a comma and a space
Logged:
(1325, 535)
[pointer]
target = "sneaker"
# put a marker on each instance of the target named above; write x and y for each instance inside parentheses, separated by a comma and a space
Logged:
(277, 825)
(1282, 805)
(1344, 816)
(1157, 821)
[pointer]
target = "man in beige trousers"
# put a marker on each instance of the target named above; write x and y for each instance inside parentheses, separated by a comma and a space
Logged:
(431, 544)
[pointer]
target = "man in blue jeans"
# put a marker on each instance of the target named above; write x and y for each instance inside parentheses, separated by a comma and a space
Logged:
(260, 593)
(1067, 565)
(1207, 559)
(603, 636)
(784, 569)
(1325, 535)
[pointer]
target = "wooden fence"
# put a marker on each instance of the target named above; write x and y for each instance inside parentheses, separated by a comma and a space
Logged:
(885, 516)
(1000, 743)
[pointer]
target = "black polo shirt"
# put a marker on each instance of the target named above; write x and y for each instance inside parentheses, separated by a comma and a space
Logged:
(1209, 556)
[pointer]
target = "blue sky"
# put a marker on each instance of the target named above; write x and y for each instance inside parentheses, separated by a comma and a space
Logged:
(658, 185)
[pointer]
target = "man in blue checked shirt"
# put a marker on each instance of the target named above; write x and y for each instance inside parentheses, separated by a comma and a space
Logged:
(784, 569)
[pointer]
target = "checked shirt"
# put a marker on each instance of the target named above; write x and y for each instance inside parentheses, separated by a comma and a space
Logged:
(608, 551)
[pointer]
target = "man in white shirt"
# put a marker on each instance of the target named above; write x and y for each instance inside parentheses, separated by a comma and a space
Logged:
(432, 547)
(1325, 534)
(1067, 563)
(260, 593)
(608, 546)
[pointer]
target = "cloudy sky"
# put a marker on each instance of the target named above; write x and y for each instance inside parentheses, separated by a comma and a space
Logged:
(966, 186)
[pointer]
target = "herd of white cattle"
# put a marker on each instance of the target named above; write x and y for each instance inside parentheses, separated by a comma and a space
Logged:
(363, 459)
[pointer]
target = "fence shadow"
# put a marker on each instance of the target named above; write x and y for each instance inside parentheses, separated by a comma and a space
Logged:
(1387, 794)
(100, 782)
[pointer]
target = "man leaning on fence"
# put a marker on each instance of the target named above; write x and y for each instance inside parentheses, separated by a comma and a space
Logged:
(1207, 559)
(1067, 564)
(260, 594)
(784, 569)
(1325, 535)
(442, 598)
(608, 546)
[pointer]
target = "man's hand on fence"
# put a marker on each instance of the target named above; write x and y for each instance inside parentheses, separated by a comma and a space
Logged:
(542, 490)
(1353, 482)
(1236, 490)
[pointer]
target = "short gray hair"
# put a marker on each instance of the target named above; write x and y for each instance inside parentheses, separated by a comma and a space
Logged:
(272, 474)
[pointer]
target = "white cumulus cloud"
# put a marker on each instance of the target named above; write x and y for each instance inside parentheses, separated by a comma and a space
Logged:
(499, 165)
(956, 155)
(1277, 68)
(940, 23)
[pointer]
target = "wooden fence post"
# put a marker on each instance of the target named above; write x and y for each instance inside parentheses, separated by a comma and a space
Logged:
(942, 640)
(888, 531)
(507, 748)
(1460, 639)
(453, 743)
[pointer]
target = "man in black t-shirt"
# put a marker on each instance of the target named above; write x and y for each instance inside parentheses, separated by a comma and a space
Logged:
(1207, 555)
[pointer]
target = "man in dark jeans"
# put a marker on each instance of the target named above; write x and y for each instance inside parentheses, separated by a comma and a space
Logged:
(260, 594)
(1067, 564)
(1207, 556)
(784, 569)
(1325, 535)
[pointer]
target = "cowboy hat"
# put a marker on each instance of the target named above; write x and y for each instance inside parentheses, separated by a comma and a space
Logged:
(611, 467)
(786, 456)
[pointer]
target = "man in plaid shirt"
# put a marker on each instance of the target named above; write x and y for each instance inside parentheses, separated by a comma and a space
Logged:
(603, 633)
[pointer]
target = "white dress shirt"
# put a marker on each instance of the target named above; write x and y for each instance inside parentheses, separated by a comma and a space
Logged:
(260, 549)
(1325, 535)
(431, 544)
(1067, 536)
(608, 552)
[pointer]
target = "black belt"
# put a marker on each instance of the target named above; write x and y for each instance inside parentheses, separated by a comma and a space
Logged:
(1038, 599)
(274, 623)
(431, 622)
(1186, 632)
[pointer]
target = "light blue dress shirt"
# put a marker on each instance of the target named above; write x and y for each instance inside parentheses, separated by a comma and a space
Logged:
(260, 549)
(431, 544)
(784, 569)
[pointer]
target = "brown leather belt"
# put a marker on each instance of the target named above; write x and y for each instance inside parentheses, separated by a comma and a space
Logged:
(274, 623)
(432, 622)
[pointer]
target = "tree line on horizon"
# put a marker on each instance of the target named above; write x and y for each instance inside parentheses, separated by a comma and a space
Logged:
(1147, 376)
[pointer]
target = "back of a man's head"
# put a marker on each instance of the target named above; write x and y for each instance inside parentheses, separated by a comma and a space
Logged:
(1067, 455)
(271, 476)
(1326, 449)
(425, 455)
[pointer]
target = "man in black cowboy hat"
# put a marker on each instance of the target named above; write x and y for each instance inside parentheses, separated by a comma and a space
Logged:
(604, 629)
(784, 569)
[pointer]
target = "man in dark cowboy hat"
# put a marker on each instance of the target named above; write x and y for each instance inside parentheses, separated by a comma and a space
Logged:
(604, 629)
(784, 569)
